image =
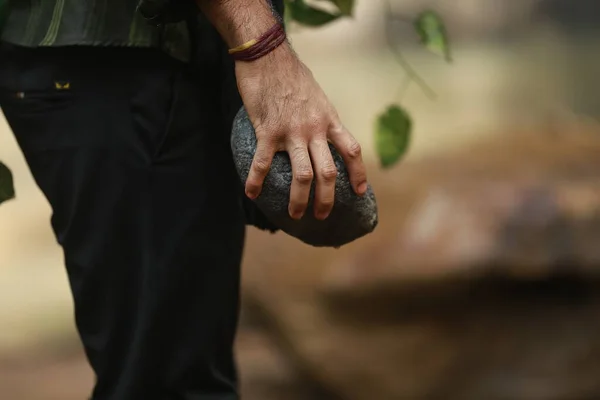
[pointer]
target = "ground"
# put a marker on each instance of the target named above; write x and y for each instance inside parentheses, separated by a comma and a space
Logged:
(64, 374)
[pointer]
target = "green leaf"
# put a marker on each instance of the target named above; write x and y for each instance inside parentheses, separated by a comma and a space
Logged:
(7, 191)
(287, 14)
(432, 31)
(304, 14)
(392, 135)
(346, 7)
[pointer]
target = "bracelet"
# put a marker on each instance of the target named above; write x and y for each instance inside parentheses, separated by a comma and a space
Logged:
(257, 48)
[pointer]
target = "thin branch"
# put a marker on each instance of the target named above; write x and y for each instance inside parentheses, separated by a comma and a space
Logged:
(410, 71)
(402, 89)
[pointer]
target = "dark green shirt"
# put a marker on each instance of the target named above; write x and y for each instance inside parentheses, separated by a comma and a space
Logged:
(34, 23)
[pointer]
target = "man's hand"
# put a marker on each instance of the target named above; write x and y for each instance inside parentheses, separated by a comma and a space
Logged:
(288, 110)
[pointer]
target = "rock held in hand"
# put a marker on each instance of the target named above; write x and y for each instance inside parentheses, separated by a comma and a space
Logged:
(352, 216)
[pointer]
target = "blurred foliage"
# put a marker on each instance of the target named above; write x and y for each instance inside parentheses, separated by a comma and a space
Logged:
(432, 31)
(393, 127)
(7, 190)
(392, 138)
(346, 7)
(302, 13)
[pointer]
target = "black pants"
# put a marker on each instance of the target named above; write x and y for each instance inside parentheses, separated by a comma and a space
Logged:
(131, 150)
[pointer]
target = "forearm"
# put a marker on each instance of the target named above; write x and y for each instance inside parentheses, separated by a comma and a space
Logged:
(239, 21)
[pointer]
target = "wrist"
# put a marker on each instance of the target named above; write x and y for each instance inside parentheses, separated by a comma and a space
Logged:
(262, 46)
(280, 58)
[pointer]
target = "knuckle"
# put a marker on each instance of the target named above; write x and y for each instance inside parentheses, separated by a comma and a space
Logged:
(294, 125)
(316, 123)
(361, 173)
(268, 132)
(304, 176)
(354, 150)
(261, 131)
(336, 126)
(329, 173)
(261, 165)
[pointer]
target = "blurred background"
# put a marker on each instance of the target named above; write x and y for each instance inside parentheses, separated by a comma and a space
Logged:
(480, 282)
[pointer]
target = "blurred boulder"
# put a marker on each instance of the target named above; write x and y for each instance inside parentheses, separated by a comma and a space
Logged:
(481, 281)
(579, 17)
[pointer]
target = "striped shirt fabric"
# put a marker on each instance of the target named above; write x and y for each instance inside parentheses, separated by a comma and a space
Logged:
(35, 23)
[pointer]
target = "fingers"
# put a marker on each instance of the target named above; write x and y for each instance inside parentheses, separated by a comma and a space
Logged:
(310, 158)
(351, 152)
(325, 173)
(261, 164)
(302, 173)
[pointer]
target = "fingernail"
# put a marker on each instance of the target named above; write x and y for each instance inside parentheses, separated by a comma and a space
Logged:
(251, 195)
(362, 188)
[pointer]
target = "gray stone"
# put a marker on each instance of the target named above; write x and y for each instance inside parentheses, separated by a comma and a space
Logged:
(352, 216)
